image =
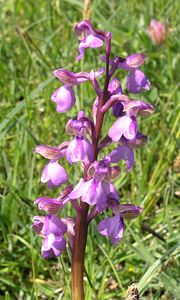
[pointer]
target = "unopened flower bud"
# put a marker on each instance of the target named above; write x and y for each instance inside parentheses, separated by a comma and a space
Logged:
(108, 43)
(81, 114)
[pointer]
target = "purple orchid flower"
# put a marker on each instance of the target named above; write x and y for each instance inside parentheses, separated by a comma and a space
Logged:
(54, 242)
(54, 205)
(127, 125)
(124, 126)
(71, 79)
(90, 38)
(52, 229)
(132, 61)
(126, 150)
(52, 246)
(70, 223)
(80, 148)
(133, 108)
(93, 192)
(50, 205)
(96, 190)
(113, 227)
(52, 224)
(136, 80)
(64, 96)
(115, 87)
(54, 174)
(139, 140)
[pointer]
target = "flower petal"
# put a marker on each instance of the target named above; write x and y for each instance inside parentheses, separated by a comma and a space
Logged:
(125, 153)
(137, 81)
(38, 224)
(79, 149)
(123, 126)
(138, 107)
(91, 41)
(89, 192)
(101, 197)
(64, 97)
(135, 60)
(50, 205)
(66, 76)
(54, 173)
(113, 227)
(127, 211)
(53, 224)
(53, 246)
(77, 191)
(49, 152)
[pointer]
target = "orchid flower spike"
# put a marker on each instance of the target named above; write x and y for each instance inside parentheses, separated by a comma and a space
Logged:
(94, 192)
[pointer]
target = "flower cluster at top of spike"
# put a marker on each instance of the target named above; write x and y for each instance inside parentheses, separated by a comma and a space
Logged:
(96, 187)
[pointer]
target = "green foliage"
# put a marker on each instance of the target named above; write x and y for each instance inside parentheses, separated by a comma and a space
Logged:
(36, 38)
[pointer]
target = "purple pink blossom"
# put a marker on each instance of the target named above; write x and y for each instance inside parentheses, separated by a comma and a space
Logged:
(157, 32)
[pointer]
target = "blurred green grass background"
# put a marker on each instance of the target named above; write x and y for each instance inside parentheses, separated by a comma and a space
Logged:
(36, 38)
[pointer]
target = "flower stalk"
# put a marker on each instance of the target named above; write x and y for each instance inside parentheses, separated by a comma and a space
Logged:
(78, 253)
(82, 222)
